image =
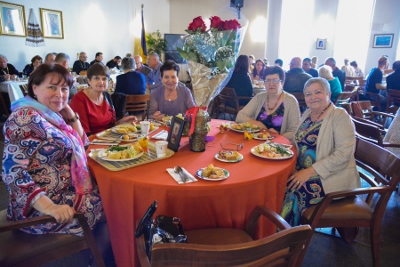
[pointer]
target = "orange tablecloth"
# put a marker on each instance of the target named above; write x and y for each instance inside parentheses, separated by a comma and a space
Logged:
(254, 181)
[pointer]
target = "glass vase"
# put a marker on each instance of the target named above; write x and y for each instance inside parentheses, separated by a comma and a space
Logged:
(198, 138)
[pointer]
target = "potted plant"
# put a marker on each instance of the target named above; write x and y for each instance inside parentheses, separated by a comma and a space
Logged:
(155, 43)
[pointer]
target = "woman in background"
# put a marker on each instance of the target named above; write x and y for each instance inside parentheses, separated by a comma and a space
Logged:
(131, 82)
(36, 61)
(258, 71)
(240, 80)
(335, 87)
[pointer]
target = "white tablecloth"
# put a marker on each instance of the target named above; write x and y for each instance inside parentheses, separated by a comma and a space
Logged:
(13, 89)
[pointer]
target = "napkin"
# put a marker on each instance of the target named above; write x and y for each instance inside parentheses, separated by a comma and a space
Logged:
(178, 179)
(103, 142)
(163, 135)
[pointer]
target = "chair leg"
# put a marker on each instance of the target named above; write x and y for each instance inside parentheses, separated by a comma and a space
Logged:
(375, 233)
(348, 233)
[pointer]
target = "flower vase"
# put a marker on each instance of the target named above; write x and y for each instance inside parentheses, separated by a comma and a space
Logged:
(198, 137)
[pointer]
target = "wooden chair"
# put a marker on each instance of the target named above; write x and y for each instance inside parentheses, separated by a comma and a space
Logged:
(372, 133)
(349, 208)
(232, 247)
(354, 80)
(362, 110)
(347, 107)
(24, 89)
(3, 105)
(22, 249)
(344, 97)
(393, 101)
(301, 99)
(227, 102)
(375, 99)
(137, 103)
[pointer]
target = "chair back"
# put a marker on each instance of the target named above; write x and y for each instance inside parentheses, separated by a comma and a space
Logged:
(375, 99)
(280, 249)
(227, 102)
(361, 109)
(137, 103)
(347, 107)
(367, 131)
(24, 89)
(343, 97)
(3, 105)
(301, 99)
(393, 100)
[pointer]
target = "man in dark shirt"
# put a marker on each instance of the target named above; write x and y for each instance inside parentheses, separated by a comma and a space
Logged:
(307, 67)
(80, 64)
(296, 77)
(98, 59)
(114, 63)
(374, 83)
(7, 71)
(140, 67)
(393, 79)
(336, 71)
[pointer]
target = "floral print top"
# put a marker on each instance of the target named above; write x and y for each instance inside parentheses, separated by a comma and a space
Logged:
(273, 120)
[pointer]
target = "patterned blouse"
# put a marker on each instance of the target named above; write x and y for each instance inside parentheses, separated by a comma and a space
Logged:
(37, 161)
(273, 120)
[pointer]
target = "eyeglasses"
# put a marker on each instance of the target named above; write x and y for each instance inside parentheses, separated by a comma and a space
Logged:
(231, 146)
(272, 80)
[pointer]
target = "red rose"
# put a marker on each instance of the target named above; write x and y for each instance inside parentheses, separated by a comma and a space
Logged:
(216, 23)
(231, 25)
(197, 24)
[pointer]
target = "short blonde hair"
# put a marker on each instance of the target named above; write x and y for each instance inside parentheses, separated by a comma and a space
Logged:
(325, 71)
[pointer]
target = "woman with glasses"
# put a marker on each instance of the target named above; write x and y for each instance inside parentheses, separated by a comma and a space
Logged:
(274, 109)
(94, 105)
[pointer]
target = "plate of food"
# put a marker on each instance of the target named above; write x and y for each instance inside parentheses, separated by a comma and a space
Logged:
(242, 127)
(228, 156)
(121, 153)
(130, 137)
(272, 151)
(263, 135)
(212, 173)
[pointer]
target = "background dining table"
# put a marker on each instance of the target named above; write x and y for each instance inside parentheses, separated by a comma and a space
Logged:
(127, 194)
(13, 89)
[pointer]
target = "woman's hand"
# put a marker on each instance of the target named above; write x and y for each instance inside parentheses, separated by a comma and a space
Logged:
(258, 123)
(127, 119)
(67, 112)
(273, 131)
(298, 179)
(62, 213)
(158, 116)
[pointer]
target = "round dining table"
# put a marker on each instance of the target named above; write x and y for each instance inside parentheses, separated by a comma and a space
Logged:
(127, 194)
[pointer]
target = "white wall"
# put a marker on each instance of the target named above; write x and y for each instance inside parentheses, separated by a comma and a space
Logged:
(91, 26)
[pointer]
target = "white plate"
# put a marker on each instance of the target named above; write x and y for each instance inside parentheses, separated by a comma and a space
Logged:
(137, 127)
(242, 131)
(255, 153)
(229, 160)
(199, 172)
(101, 155)
(258, 138)
(130, 140)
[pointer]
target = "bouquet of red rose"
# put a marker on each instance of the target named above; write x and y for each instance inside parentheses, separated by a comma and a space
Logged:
(211, 55)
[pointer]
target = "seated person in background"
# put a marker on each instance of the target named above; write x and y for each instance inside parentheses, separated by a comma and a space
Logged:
(336, 71)
(98, 59)
(36, 61)
(131, 82)
(278, 62)
(348, 69)
(114, 63)
(240, 80)
(140, 67)
(393, 135)
(50, 177)
(154, 77)
(63, 60)
(308, 69)
(326, 72)
(94, 105)
(393, 79)
(274, 109)
(357, 71)
(7, 70)
(172, 97)
(50, 58)
(374, 82)
(296, 77)
(258, 71)
(314, 62)
(80, 64)
(325, 143)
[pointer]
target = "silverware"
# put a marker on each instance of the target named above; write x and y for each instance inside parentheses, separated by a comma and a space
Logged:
(178, 170)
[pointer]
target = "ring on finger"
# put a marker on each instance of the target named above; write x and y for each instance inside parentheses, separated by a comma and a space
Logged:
(297, 182)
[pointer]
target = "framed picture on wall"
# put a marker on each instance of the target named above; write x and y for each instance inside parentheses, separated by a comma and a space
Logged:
(383, 40)
(12, 19)
(52, 23)
(321, 44)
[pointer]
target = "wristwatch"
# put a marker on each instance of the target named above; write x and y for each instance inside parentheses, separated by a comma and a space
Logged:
(74, 119)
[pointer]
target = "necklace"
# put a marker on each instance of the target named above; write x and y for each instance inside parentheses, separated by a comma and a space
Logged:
(312, 122)
(276, 103)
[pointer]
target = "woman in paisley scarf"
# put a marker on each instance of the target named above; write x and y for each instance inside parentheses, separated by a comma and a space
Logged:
(274, 109)
(325, 142)
(44, 161)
